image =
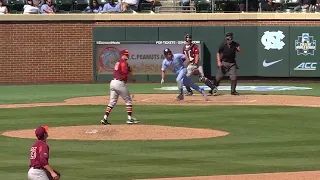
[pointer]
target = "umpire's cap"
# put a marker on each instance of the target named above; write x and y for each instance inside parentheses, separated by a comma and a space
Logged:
(167, 51)
(41, 131)
(229, 34)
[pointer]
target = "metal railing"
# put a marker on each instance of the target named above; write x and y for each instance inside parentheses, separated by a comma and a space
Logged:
(190, 9)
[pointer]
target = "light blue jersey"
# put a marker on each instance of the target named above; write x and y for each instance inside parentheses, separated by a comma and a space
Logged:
(175, 65)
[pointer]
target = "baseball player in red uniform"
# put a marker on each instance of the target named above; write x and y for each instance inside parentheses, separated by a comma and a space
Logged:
(118, 87)
(39, 157)
(191, 51)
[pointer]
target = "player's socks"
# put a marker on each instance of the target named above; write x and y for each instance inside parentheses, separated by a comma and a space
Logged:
(108, 111)
(233, 85)
(129, 111)
(188, 89)
(209, 83)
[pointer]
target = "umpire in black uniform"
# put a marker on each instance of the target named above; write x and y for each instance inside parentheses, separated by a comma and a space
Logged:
(226, 60)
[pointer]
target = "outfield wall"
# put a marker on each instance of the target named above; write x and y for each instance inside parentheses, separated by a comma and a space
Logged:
(59, 48)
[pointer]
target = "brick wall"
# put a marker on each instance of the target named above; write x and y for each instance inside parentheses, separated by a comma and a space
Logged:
(59, 52)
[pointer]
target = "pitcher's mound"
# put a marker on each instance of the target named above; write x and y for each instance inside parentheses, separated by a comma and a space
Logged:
(121, 132)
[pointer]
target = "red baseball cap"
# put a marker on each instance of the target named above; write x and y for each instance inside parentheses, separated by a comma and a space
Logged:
(124, 52)
(41, 130)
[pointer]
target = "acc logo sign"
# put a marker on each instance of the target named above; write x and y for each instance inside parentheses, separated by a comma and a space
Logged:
(273, 40)
(305, 45)
(306, 66)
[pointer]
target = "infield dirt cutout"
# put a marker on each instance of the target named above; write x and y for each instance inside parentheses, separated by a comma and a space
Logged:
(153, 132)
(121, 132)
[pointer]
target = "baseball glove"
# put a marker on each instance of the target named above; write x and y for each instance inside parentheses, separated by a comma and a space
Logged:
(129, 69)
(195, 72)
(50, 177)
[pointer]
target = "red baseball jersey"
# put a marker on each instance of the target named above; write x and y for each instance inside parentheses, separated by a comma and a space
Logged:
(190, 50)
(39, 154)
(121, 70)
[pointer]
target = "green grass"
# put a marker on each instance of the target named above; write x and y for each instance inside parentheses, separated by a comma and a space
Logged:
(262, 139)
(56, 93)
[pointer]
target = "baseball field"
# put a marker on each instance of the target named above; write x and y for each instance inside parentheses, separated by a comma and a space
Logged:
(269, 132)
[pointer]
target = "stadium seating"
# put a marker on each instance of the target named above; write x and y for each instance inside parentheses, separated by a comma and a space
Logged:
(16, 6)
(146, 7)
(290, 4)
(80, 5)
(6, 3)
(171, 6)
(203, 6)
(101, 2)
(64, 6)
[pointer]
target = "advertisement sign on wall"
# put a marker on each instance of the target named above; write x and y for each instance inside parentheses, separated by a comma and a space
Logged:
(145, 57)
(273, 51)
(268, 51)
(305, 45)
(304, 57)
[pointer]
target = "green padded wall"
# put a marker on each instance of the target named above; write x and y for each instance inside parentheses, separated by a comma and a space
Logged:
(173, 33)
(109, 33)
(211, 37)
(142, 33)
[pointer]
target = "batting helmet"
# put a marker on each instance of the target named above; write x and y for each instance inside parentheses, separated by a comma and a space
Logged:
(167, 51)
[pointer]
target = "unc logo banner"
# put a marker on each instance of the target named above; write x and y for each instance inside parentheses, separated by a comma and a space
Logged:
(273, 40)
(273, 52)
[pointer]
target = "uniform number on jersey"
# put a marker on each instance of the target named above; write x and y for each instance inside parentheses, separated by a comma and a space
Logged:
(116, 66)
(33, 153)
(188, 53)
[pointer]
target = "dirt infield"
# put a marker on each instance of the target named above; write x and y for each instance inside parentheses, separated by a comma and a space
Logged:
(121, 132)
(153, 132)
(306, 175)
(169, 99)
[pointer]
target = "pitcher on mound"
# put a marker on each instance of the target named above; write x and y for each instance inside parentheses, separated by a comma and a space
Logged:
(118, 87)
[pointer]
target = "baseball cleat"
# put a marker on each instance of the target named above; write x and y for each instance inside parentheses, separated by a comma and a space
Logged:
(204, 95)
(133, 121)
(235, 93)
(180, 97)
(214, 92)
(188, 93)
(105, 122)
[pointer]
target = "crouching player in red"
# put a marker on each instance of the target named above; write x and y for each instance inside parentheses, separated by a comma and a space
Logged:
(191, 51)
